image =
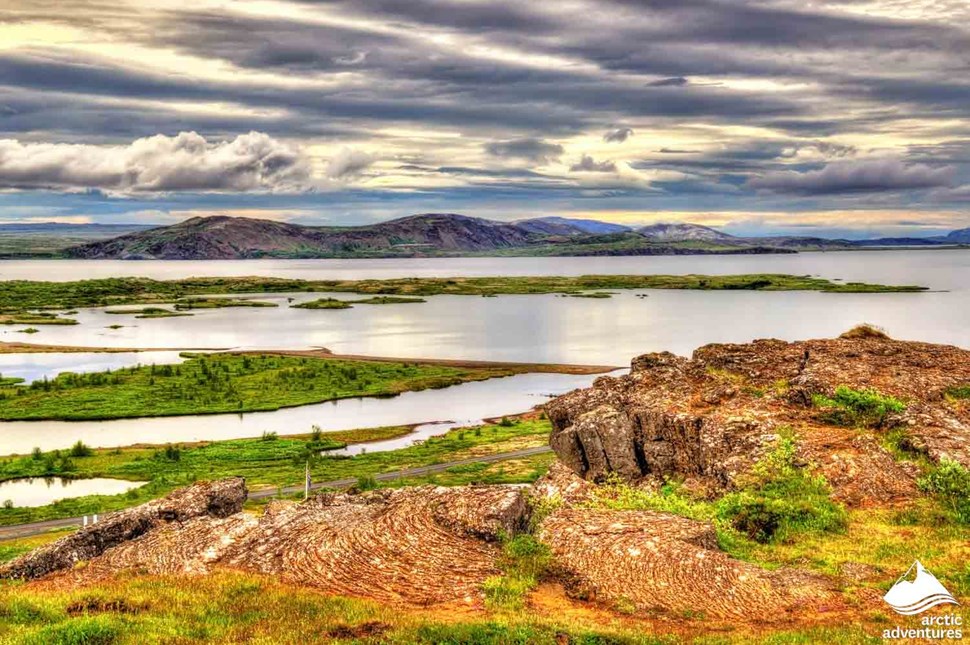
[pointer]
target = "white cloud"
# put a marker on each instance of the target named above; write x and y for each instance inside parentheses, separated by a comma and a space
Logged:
(187, 162)
(349, 163)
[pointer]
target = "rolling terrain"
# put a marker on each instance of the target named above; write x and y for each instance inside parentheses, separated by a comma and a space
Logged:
(437, 235)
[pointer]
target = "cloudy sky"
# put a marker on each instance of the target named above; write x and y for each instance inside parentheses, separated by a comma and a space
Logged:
(837, 117)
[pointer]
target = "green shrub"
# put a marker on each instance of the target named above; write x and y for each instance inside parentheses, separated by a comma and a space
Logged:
(950, 483)
(780, 500)
(79, 449)
(366, 482)
(959, 392)
(867, 408)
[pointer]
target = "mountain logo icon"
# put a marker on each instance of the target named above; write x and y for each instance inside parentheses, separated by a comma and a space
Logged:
(910, 597)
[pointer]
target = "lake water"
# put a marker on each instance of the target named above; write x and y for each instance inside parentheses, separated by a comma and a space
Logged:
(41, 491)
(541, 328)
(33, 367)
(465, 404)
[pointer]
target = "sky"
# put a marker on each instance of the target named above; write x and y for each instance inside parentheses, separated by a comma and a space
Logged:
(815, 117)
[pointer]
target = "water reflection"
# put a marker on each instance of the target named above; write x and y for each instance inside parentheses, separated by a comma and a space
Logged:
(40, 491)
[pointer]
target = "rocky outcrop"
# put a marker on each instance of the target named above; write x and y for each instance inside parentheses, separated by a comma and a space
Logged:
(655, 562)
(209, 500)
(709, 418)
(418, 546)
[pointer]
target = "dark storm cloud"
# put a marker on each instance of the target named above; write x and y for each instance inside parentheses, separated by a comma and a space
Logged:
(535, 150)
(884, 175)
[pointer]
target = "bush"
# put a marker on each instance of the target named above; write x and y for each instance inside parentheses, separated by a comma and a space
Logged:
(79, 449)
(506, 422)
(780, 500)
(366, 482)
(269, 436)
(37, 454)
(950, 483)
(866, 408)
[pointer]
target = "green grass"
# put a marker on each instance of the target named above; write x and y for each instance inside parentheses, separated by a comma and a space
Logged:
(866, 408)
(234, 607)
(950, 483)
(524, 561)
(214, 383)
(775, 502)
(779, 500)
(265, 463)
(23, 295)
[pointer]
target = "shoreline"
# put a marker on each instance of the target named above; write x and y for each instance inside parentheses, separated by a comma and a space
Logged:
(319, 352)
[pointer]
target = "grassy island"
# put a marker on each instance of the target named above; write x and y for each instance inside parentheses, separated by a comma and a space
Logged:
(32, 318)
(334, 303)
(323, 303)
(220, 303)
(148, 312)
(215, 383)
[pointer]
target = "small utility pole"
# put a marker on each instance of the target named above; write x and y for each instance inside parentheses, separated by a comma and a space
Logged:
(306, 490)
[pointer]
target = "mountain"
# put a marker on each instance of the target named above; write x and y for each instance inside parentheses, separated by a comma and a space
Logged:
(448, 234)
(961, 236)
(222, 237)
(569, 226)
(684, 233)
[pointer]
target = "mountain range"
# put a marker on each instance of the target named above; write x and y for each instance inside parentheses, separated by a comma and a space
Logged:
(447, 234)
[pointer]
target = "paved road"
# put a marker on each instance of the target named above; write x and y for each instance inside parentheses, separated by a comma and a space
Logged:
(36, 528)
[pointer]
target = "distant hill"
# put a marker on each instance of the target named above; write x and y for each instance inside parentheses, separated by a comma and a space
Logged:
(223, 237)
(448, 234)
(37, 239)
(569, 226)
(684, 232)
(961, 236)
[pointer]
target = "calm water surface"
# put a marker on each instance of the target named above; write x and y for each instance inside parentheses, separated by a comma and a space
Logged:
(465, 404)
(541, 328)
(41, 491)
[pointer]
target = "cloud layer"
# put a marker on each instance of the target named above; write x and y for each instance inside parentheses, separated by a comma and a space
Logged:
(488, 105)
(186, 162)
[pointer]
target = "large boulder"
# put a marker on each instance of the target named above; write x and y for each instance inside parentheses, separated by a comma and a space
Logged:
(218, 499)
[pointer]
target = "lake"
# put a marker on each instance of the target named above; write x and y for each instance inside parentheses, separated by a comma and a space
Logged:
(41, 491)
(465, 404)
(539, 328)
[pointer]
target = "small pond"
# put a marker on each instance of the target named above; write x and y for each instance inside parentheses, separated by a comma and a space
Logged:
(41, 491)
